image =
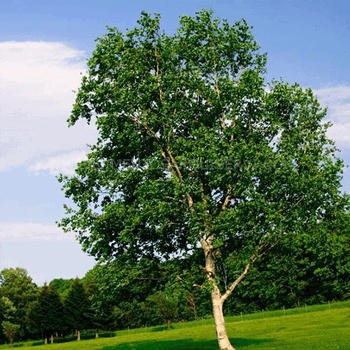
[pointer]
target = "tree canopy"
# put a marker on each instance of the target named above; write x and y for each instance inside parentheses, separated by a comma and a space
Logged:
(196, 149)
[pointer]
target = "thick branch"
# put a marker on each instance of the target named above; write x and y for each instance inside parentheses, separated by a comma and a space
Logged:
(238, 280)
(245, 272)
(171, 160)
(233, 124)
(147, 128)
(227, 199)
(179, 175)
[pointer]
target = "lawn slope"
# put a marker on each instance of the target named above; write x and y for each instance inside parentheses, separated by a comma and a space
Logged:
(329, 329)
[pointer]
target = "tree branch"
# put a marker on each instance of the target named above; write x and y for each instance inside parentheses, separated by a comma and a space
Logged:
(179, 175)
(238, 280)
(227, 199)
(167, 154)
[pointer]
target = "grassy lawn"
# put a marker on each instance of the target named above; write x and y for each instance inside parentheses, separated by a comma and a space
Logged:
(327, 329)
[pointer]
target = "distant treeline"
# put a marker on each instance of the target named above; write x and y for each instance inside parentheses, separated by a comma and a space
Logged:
(308, 268)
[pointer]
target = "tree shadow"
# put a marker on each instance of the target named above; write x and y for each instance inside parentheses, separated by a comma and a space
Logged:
(184, 344)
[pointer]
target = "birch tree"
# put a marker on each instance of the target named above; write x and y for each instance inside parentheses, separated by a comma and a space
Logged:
(196, 149)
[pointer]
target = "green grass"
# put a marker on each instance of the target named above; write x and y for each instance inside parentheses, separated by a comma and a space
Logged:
(316, 327)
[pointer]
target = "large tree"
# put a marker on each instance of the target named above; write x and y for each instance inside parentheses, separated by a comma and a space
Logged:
(195, 149)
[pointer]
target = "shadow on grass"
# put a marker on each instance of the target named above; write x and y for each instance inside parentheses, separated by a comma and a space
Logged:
(187, 344)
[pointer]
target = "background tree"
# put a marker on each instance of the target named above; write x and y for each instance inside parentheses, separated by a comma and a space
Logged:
(7, 311)
(166, 305)
(204, 151)
(310, 268)
(77, 308)
(100, 308)
(10, 330)
(17, 286)
(119, 289)
(34, 317)
(46, 315)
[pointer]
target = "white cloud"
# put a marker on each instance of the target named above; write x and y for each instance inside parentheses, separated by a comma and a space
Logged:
(337, 99)
(340, 133)
(65, 163)
(37, 78)
(32, 232)
(36, 83)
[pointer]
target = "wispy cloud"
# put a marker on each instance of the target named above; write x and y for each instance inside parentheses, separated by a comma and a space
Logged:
(32, 232)
(65, 163)
(37, 79)
(337, 99)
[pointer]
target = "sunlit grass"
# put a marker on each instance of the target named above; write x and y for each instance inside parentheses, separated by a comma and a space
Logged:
(307, 329)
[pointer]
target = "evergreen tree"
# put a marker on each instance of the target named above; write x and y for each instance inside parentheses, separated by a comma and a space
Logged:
(78, 308)
(53, 312)
(46, 315)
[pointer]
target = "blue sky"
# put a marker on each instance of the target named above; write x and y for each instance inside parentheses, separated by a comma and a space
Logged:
(43, 49)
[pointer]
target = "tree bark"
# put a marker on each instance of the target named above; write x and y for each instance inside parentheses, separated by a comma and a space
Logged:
(221, 333)
(78, 335)
(217, 300)
(51, 338)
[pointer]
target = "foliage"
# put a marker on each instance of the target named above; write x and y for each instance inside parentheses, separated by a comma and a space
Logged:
(117, 291)
(61, 285)
(308, 268)
(204, 151)
(7, 309)
(142, 210)
(18, 287)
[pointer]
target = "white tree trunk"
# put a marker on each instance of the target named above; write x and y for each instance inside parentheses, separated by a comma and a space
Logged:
(78, 335)
(51, 338)
(217, 300)
(221, 334)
